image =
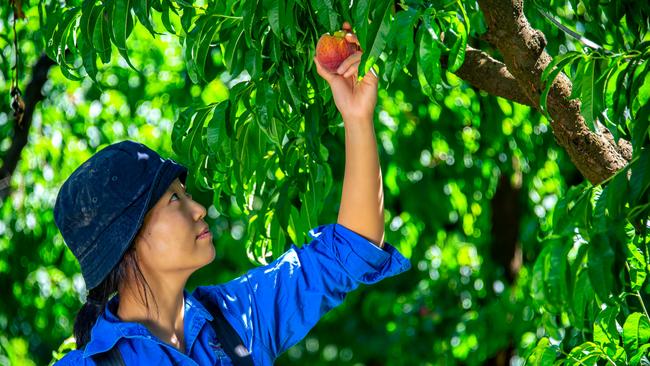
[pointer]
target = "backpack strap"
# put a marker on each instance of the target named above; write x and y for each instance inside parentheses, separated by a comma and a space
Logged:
(112, 357)
(228, 337)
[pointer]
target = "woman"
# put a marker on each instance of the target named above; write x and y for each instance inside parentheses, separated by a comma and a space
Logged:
(137, 234)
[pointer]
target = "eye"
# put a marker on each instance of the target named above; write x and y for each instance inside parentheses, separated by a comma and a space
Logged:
(176, 195)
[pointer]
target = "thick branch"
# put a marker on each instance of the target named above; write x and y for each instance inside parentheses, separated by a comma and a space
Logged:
(484, 72)
(33, 95)
(597, 156)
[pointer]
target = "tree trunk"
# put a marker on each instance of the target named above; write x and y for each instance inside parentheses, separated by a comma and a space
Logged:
(33, 95)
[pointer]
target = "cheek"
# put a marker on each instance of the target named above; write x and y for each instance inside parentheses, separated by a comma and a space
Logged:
(172, 225)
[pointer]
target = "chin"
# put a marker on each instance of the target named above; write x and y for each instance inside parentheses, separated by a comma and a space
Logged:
(210, 256)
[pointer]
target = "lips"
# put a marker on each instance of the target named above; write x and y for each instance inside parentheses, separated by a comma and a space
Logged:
(206, 230)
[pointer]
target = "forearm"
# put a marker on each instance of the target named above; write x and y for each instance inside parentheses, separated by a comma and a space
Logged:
(362, 200)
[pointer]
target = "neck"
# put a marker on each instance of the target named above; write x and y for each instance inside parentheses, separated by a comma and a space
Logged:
(165, 311)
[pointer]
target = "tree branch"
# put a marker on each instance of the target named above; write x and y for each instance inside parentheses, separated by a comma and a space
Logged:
(484, 72)
(597, 156)
(33, 95)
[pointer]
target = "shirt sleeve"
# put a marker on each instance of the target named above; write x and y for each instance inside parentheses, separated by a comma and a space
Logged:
(293, 292)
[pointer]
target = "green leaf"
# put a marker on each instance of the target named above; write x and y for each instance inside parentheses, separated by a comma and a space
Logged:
(360, 15)
(88, 21)
(273, 11)
(580, 210)
(637, 267)
(577, 78)
(289, 84)
(400, 40)
(232, 52)
(265, 102)
(641, 130)
(46, 15)
(325, 14)
(216, 130)
(167, 6)
(640, 86)
(605, 331)
(550, 73)
(636, 331)
(428, 59)
(617, 193)
(288, 21)
(58, 43)
(583, 296)
(249, 14)
(610, 93)
(555, 280)
(543, 355)
(457, 52)
(249, 144)
(640, 179)
(601, 266)
(120, 16)
(89, 58)
(202, 45)
(65, 33)
(195, 141)
(585, 354)
(141, 8)
(377, 33)
(101, 37)
(296, 228)
(642, 353)
(537, 284)
(589, 102)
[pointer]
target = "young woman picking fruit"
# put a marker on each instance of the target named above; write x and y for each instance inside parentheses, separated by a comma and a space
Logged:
(138, 236)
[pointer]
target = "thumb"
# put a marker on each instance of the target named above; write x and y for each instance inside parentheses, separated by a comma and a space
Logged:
(328, 76)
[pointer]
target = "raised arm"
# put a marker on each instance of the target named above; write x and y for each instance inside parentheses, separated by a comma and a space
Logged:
(362, 200)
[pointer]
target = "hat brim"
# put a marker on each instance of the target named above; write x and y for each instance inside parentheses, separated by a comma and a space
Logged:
(101, 263)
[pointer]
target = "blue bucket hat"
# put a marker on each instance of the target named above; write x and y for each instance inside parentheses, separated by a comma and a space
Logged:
(101, 206)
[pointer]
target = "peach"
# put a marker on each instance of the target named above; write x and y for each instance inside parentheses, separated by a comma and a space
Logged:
(331, 50)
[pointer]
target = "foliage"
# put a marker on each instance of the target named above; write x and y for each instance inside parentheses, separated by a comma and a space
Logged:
(232, 86)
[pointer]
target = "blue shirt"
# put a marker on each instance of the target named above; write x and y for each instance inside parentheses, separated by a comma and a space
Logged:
(271, 307)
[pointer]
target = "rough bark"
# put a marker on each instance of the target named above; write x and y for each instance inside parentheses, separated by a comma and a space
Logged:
(33, 95)
(484, 72)
(596, 155)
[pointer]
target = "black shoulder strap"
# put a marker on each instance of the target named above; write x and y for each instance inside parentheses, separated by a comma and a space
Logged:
(230, 340)
(109, 358)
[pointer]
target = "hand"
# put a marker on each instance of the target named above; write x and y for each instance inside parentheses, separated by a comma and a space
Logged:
(355, 100)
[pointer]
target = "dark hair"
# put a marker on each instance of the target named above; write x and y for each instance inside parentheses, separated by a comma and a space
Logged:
(99, 296)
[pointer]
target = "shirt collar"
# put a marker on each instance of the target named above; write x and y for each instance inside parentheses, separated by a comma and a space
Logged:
(109, 328)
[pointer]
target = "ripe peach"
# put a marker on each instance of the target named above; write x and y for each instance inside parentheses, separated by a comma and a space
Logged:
(331, 50)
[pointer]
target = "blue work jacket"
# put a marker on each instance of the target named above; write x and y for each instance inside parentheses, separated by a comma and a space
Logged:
(271, 307)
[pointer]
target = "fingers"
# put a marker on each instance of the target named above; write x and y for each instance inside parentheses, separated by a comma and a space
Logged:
(352, 70)
(345, 65)
(352, 38)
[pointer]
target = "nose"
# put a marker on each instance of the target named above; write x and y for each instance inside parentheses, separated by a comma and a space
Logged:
(198, 210)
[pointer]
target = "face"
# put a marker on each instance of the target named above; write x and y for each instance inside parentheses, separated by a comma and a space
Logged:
(168, 241)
